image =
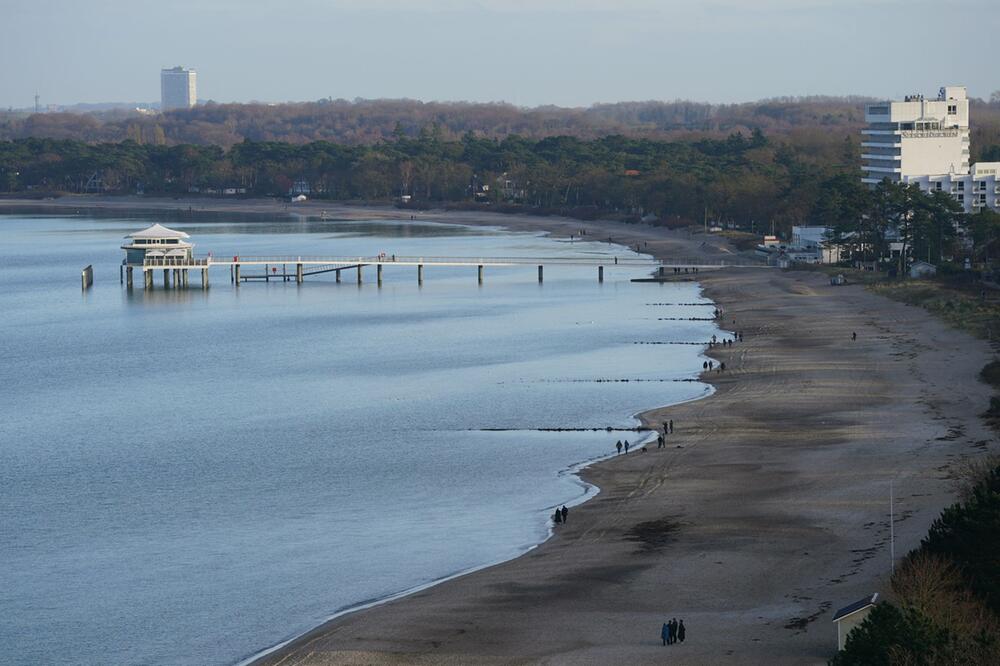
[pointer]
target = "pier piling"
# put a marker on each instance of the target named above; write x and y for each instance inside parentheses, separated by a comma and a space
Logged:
(600, 273)
(480, 273)
(298, 273)
(540, 274)
(236, 273)
(166, 278)
(87, 277)
(378, 274)
(359, 273)
(204, 278)
(420, 274)
(338, 274)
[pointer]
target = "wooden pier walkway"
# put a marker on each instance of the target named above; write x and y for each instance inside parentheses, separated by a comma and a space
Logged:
(277, 267)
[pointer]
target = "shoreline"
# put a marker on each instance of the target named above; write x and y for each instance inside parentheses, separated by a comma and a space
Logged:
(268, 208)
(576, 470)
(767, 512)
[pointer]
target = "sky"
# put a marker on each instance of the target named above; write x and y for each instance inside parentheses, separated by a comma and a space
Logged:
(525, 52)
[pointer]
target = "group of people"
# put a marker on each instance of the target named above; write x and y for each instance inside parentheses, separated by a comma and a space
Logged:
(560, 515)
(619, 446)
(661, 440)
(672, 632)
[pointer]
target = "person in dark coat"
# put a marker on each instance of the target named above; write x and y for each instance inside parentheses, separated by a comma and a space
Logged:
(626, 446)
(565, 512)
(557, 517)
(659, 442)
(680, 631)
(671, 425)
(619, 446)
(665, 633)
(672, 631)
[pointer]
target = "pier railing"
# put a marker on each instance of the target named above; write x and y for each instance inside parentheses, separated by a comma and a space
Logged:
(185, 262)
(177, 261)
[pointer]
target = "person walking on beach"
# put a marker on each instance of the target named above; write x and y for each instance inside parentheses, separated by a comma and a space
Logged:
(704, 366)
(619, 447)
(565, 512)
(854, 335)
(659, 442)
(672, 631)
(680, 631)
(665, 633)
(557, 517)
(626, 446)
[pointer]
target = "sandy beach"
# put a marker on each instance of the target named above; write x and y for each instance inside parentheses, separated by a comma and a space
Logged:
(768, 509)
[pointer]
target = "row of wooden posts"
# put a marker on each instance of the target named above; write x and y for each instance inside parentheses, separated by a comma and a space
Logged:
(179, 276)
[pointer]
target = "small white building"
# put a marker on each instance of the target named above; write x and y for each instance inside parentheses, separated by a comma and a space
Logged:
(922, 269)
(848, 617)
(157, 242)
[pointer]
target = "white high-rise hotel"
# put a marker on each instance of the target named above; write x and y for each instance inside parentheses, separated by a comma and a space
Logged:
(926, 141)
(178, 88)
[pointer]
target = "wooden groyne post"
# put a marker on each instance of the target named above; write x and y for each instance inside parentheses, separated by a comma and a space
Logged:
(87, 277)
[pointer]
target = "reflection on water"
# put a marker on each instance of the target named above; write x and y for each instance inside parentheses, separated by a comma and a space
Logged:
(189, 476)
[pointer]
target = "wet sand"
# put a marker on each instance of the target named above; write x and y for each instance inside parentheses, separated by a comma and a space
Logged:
(767, 511)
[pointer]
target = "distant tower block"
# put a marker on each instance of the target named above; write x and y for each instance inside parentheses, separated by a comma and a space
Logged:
(38, 105)
(178, 88)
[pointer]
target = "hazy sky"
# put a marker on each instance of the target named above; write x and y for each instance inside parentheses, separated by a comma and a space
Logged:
(528, 52)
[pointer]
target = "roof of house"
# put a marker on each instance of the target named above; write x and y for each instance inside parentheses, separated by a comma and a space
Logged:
(859, 605)
(158, 231)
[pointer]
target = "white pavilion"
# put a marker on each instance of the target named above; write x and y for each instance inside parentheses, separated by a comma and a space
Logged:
(157, 242)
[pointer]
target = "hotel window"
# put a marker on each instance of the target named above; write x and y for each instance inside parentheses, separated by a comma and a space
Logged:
(961, 186)
(961, 197)
(982, 198)
(982, 185)
(952, 109)
(937, 186)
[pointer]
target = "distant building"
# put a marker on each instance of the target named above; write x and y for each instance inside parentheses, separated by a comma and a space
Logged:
(916, 137)
(975, 191)
(178, 88)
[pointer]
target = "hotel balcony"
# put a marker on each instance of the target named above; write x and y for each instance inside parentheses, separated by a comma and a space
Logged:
(872, 156)
(879, 144)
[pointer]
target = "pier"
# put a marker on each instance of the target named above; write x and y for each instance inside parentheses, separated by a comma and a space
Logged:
(160, 249)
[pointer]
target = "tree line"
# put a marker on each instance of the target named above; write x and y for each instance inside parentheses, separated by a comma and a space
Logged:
(745, 181)
(371, 121)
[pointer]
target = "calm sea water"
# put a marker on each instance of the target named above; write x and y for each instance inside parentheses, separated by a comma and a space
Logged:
(189, 477)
